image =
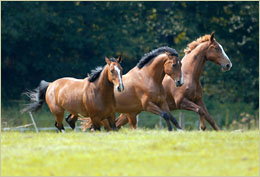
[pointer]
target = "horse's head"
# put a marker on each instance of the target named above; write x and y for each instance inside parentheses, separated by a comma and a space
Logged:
(217, 54)
(115, 73)
(172, 67)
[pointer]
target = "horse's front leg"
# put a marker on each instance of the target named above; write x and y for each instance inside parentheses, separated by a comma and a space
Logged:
(96, 123)
(166, 108)
(111, 121)
(132, 120)
(106, 124)
(153, 108)
(191, 106)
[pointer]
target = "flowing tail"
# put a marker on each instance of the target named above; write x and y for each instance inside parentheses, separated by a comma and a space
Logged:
(37, 97)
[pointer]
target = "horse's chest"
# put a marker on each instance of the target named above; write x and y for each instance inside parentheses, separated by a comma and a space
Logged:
(157, 99)
(156, 95)
(96, 105)
(193, 92)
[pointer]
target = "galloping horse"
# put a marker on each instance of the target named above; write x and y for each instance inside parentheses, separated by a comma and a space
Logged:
(189, 96)
(143, 87)
(92, 97)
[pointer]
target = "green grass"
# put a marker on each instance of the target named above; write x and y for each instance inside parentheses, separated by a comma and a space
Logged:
(128, 152)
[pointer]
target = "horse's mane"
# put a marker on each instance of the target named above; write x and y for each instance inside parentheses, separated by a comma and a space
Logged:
(149, 56)
(95, 73)
(195, 43)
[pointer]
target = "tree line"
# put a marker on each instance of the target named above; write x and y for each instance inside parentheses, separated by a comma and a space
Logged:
(50, 40)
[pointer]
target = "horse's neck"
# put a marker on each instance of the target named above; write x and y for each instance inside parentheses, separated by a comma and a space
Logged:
(104, 85)
(155, 70)
(193, 63)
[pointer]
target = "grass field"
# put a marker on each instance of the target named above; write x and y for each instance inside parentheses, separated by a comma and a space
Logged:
(128, 152)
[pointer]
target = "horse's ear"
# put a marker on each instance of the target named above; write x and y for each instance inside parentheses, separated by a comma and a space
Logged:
(119, 59)
(107, 60)
(212, 36)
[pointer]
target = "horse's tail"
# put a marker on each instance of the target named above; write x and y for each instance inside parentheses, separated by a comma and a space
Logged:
(37, 97)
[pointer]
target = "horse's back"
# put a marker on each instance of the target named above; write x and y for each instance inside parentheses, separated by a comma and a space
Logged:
(65, 93)
(65, 84)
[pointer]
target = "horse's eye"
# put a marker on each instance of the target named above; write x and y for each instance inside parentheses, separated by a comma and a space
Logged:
(173, 65)
(217, 49)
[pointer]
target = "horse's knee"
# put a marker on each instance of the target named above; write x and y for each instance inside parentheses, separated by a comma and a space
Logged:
(201, 112)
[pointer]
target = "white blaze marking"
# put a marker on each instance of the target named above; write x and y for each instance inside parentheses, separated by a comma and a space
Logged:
(182, 80)
(224, 52)
(120, 79)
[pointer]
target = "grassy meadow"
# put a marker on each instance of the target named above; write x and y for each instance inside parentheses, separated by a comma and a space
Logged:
(141, 152)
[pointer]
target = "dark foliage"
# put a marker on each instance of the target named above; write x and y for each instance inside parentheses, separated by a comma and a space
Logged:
(50, 40)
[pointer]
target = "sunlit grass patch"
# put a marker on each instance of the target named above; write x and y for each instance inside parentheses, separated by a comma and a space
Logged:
(130, 152)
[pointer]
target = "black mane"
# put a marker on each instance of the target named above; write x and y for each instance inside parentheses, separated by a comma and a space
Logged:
(149, 56)
(95, 73)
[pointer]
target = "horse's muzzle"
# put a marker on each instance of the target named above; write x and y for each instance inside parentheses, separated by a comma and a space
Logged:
(226, 67)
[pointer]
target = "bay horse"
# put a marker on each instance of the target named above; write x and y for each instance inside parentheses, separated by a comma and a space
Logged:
(190, 95)
(92, 97)
(143, 87)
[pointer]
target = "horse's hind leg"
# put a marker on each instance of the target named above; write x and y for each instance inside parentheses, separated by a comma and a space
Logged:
(58, 123)
(207, 117)
(71, 120)
(189, 105)
(132, 120)
(202, 124)
(121, 120)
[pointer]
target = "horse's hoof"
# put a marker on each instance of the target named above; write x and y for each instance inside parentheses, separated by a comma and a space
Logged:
(71, 124)
(203, 128)
(179, 130)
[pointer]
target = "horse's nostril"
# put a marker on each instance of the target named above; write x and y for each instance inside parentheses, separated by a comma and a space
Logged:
(228, 66)
(178, 83)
